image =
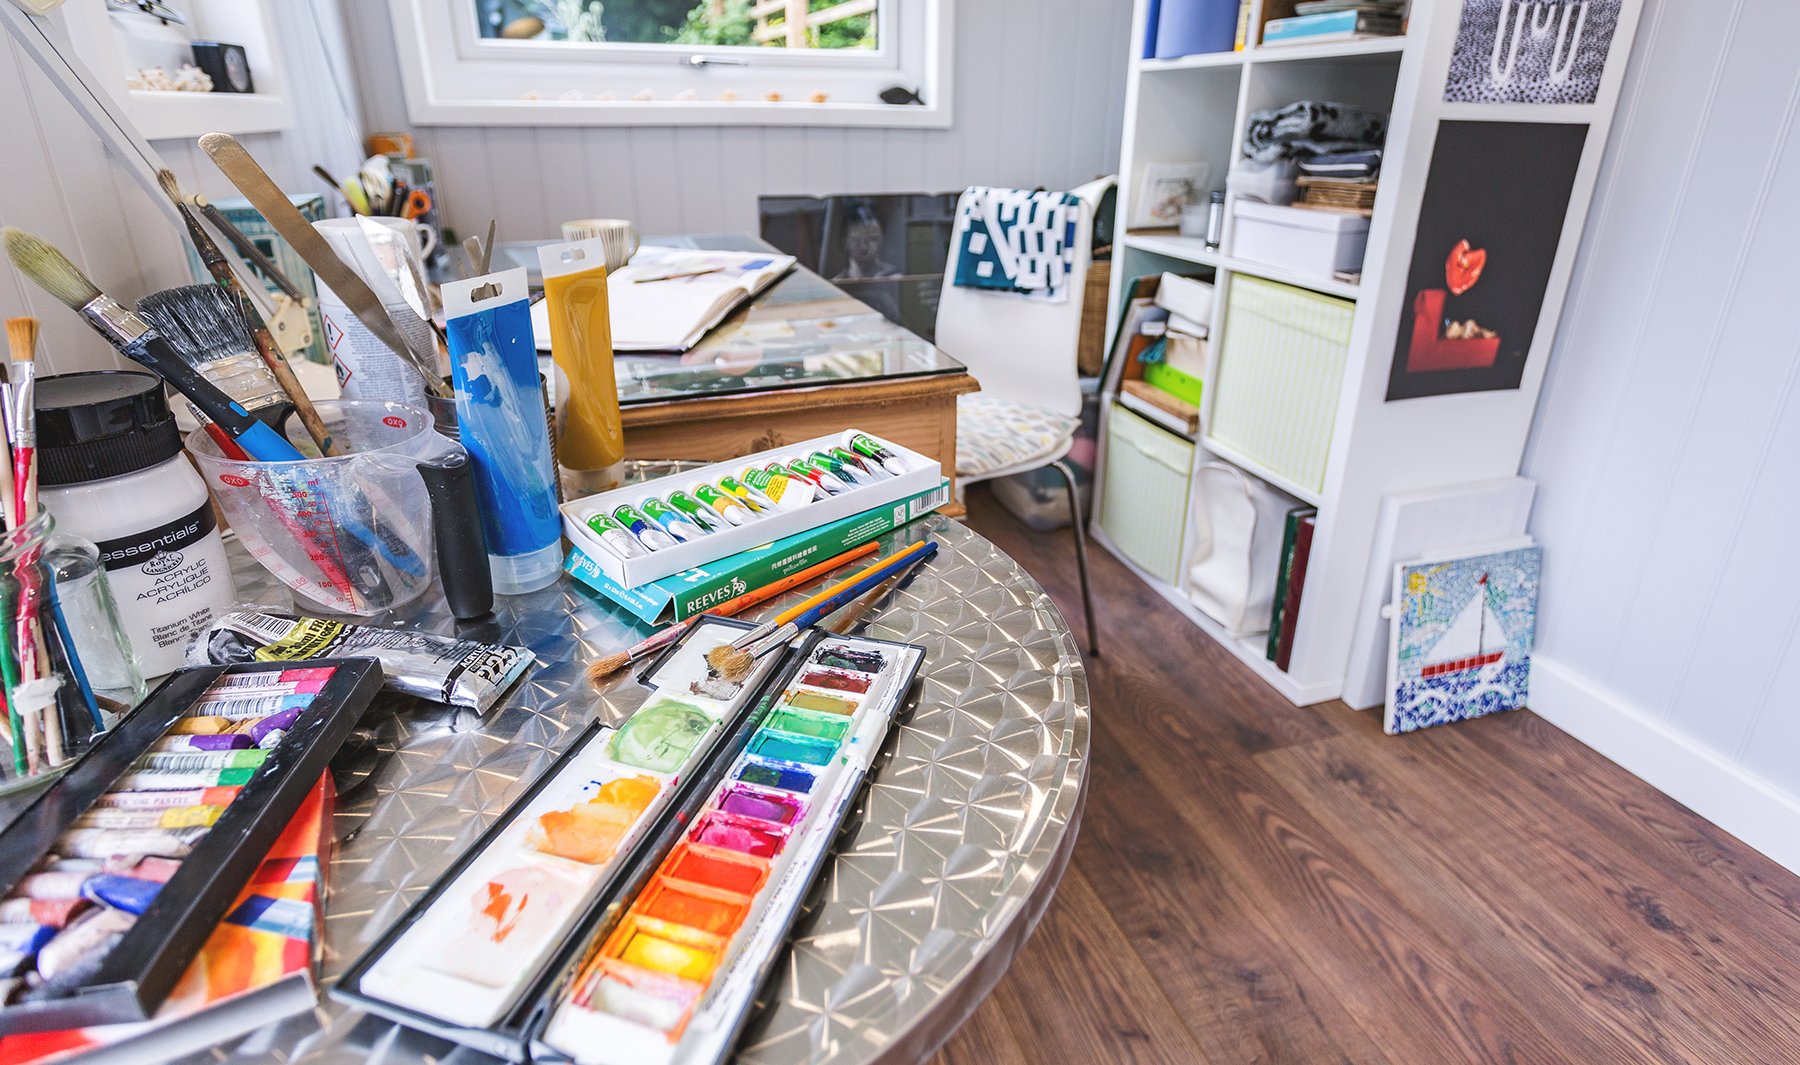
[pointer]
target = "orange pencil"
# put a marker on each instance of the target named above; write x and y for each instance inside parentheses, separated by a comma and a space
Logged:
(607, 666)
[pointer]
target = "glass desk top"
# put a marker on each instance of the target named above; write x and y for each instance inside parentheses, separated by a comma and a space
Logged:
(803, 331)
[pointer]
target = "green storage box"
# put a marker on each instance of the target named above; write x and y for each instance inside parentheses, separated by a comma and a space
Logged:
(1178, 383)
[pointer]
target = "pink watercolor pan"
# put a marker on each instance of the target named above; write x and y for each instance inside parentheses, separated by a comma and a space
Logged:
(759, 839)
(747, 800)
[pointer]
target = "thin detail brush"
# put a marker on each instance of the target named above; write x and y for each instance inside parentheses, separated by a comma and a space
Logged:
(723, 653)
(133, 337)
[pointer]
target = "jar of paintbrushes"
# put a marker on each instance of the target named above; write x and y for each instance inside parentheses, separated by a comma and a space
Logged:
(51, 713)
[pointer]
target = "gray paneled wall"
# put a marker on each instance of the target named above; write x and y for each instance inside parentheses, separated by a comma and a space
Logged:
(1668, 439)
(1039, 88)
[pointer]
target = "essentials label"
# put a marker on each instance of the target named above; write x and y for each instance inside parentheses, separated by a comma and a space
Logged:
(169, 581)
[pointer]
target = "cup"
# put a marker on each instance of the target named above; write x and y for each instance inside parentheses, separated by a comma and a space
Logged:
(620, 237)
(350, 534)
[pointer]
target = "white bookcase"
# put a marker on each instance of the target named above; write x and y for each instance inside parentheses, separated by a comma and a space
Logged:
(1194, 109)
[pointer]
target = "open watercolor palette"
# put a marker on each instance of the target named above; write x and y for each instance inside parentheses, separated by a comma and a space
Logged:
(466, 961)
(112, 880)
(672, 980)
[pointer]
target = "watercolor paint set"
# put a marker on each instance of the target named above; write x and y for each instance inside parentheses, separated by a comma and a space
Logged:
(645, 532)
(470, 959)
(114, 877)
(672, 980)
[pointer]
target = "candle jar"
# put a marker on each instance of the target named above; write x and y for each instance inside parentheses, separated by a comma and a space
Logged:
(51, 713)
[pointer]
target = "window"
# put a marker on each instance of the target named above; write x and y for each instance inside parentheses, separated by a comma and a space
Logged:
(675, 62)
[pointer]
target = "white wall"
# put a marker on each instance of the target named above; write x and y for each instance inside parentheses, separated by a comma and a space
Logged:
(59, 182)
(1039, 88)
(1667, 443)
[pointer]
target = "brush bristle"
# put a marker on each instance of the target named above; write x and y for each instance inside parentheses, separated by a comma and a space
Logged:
(49, 268)
(171, 187)
(204, 322)
(603, 668)
(21, 338)
(734, 664)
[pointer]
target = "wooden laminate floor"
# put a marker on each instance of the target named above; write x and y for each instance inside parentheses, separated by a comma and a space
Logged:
(1259, 883)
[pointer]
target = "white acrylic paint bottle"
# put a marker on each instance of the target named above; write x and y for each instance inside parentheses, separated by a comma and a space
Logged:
(110, 469)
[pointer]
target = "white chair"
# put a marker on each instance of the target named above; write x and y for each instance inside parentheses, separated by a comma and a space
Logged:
(1023, 353)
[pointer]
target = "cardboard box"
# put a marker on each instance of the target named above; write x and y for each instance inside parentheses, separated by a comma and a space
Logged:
(922, 475)
(682, 595)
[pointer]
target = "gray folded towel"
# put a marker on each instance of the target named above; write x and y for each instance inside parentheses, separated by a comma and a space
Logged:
(1312, 127)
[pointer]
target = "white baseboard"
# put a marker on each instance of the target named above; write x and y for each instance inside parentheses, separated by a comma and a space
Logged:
(1754, 810)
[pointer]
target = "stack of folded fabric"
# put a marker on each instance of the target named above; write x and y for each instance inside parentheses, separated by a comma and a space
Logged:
(1341, 181)
(1335, 148)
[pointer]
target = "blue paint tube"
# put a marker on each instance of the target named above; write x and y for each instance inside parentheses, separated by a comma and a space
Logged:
(500, 410)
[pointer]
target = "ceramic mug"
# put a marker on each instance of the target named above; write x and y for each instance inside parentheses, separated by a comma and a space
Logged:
(620, 237)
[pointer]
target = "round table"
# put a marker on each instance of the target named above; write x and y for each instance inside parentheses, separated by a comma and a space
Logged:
(944, 869)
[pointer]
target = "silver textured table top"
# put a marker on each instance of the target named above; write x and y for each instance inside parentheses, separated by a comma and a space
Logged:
(958, 843)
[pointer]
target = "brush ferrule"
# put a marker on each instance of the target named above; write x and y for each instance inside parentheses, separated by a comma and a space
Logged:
(782, 635)
(117, 322)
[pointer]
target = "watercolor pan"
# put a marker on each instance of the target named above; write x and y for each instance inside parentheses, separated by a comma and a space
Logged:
(787, 747)
(808, 723)
(787, 776)
(843, 656)
(714, 912)
(759, 839)
(721, 870)
(744, 800)
(665, 947)
(820, 702)
(142, 967)
(652, 999)
(837, 680)
(660, 736)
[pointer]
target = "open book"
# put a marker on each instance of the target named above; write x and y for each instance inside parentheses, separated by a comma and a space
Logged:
(666, 299)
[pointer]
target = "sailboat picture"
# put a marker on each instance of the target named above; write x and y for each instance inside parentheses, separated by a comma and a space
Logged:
(1462, 636)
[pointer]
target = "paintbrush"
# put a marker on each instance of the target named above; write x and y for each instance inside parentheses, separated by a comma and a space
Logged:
(21, 342)
(206, 325)
(220, 269)
(734, 662)
(612, 663)
(720, 654)
(135, 339)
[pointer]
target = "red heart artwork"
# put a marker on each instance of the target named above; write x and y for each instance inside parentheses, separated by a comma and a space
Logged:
(1464, 266)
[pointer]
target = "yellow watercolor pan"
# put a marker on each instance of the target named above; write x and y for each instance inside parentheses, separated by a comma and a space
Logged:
(665, 947)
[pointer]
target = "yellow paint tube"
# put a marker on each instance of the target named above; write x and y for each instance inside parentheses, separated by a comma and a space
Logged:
(590, 437)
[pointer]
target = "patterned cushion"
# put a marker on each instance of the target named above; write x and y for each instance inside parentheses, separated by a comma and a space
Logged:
(992, 434)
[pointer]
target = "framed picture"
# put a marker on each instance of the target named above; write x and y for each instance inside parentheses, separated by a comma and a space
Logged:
(1490, 223)
(1460, 643)
(1164, 189)
(1531, 51)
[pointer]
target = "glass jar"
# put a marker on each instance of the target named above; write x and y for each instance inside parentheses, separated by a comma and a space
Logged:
(87, 611)
(52, 715)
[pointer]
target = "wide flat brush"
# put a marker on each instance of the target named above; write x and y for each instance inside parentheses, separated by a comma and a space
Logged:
(735, 665)
(220, 269)
(206, 325)
(135, 339)
(612, 663)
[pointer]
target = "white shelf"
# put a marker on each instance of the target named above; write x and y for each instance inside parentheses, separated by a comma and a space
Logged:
(187, 115)
(1370, 48)
(1187, 249)
(1258, 470)
(1194, 250)
(1250, 650)
(1197, 61)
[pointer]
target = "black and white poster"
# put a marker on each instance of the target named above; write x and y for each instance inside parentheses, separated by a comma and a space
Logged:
(1489, 228)
(1531, 51)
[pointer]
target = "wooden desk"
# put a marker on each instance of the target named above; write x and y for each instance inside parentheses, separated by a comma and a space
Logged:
(804, 359)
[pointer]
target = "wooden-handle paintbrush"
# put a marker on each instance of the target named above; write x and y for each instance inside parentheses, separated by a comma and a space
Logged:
(262, 192)
(612, 663)
(734, 661)
(220, 269)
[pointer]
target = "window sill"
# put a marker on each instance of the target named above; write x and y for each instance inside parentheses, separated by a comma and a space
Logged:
(543, 112)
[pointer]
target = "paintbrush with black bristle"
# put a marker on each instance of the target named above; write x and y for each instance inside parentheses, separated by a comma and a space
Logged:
(139, 341)
(206, 325)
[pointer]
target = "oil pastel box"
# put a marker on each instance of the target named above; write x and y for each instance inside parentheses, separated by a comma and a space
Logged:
(112, 879)
(672, 973)
(900, 475)
(470, 959)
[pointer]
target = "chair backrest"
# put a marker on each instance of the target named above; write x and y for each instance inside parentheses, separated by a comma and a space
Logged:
(1021, 349)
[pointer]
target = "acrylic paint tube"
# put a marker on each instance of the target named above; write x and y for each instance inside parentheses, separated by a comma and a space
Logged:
(639, 526)
(752, 498)
(671, 520)
(864, 444)
(730, 508)
(615, 538)
(500, 413)
(439, 668)
(850, 475)
(784, 492)
(696, 512)
(827, 483)
(590, 434)
(870, 469)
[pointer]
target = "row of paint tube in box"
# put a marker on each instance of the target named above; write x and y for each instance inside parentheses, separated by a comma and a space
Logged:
(656, 524)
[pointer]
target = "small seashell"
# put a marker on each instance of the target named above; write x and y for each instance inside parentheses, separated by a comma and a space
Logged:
(728, 96)
(687, 94)
(572, 94)
(607, 95)
(531, 94)
(645, 96)
(772, 97)
(816, 98)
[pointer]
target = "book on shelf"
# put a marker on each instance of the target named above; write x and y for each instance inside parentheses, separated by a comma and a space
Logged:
(1290, 610)
(1290, 536)
(256, 967)
(1140, 307)
(667, 299)
(1161, 407)
(1329, 26)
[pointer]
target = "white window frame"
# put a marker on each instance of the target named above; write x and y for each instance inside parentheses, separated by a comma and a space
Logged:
(455, 77)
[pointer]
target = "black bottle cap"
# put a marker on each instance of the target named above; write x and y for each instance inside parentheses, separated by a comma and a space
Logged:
(100, 424)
